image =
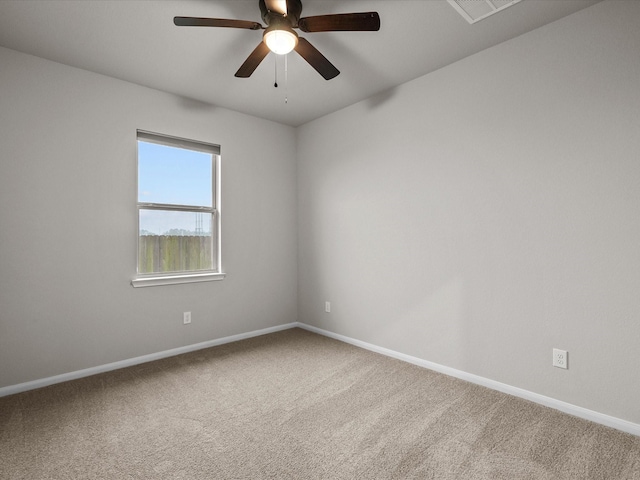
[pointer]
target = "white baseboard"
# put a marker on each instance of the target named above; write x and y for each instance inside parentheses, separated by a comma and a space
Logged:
(601, 418)
(596, 417)
(43, 382)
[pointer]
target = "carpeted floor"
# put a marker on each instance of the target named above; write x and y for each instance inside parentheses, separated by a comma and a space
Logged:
(296, 405)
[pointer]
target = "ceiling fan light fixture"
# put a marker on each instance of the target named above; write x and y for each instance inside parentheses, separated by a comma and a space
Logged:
(280, 40)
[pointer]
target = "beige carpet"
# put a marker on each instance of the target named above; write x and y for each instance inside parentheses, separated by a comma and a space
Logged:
(295, 405)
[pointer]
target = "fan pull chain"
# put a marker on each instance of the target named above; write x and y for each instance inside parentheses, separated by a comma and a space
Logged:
(286, 79)
(286, 76)
(275, 64)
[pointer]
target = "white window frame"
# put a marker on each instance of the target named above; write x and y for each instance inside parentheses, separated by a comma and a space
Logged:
(173, 278)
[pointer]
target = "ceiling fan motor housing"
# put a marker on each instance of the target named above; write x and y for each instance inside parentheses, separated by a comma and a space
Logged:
(294, 10)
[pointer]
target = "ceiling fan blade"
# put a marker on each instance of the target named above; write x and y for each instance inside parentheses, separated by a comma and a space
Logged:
(277, 6)
(252, 62)
(345, 22)
(318, 61)
(215, 22)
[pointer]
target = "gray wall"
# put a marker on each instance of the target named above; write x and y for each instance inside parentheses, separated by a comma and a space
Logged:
(68, 222)
(481, 215)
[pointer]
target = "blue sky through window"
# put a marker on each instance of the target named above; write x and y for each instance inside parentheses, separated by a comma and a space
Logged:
(172, 175)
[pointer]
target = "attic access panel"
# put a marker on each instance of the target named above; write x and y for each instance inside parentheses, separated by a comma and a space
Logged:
(475, 10)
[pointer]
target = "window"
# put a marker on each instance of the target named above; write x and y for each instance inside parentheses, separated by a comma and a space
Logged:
(178, 211)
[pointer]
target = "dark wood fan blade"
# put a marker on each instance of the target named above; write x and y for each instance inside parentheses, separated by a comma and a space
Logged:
(345, 22)
(252, 62)
(318, 61)
(215, 22)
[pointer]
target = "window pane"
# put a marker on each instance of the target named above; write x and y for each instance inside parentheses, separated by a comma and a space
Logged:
(173, 175)
(174, 241)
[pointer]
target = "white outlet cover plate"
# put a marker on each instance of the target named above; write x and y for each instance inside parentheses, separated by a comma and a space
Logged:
(560, 358)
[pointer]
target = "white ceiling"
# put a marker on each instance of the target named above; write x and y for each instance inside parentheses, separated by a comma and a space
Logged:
(135, 40)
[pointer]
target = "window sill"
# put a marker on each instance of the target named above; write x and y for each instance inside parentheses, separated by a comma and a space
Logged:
(176, 279)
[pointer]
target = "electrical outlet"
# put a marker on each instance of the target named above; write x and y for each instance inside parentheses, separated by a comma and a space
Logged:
(560, 358)
(327, 307)
(186, 317)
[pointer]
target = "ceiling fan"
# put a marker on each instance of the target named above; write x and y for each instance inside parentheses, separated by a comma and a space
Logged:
(281, 17)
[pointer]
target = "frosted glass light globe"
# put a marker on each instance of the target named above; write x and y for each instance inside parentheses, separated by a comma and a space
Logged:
(280, 42)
